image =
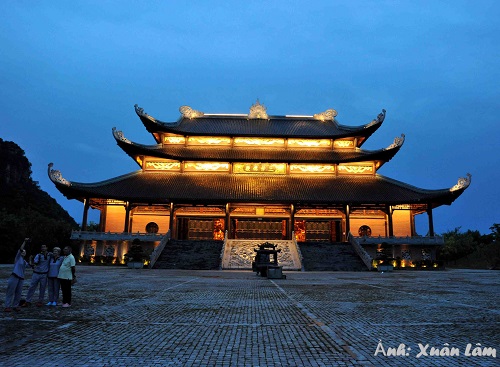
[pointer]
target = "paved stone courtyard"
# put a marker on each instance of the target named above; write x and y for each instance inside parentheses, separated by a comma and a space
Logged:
(123, 317)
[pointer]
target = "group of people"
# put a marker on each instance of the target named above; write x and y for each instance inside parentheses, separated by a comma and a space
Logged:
(49, 269)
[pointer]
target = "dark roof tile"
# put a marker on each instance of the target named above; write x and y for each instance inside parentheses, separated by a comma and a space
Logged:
(221, 188)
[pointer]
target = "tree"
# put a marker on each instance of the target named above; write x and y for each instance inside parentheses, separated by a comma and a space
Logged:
(470, 249)
(495, 231)
(458, 244)
(26, 210)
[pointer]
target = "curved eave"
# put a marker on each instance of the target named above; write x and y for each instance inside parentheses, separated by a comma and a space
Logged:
(160, 187)
(274, 155)
(275, 126)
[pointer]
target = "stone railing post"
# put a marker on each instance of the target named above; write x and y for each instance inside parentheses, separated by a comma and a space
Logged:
(367, 260)
(158, 250)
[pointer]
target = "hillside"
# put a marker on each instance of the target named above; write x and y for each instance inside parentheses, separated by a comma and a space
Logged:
(25, 209)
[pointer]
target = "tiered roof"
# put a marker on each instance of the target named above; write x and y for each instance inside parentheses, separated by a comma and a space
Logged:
(271, 126)
(196, 188)
(145, 186)
(243, 154)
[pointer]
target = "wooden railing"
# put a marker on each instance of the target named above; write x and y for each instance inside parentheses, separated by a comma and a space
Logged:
(158, 250)
(367, 259)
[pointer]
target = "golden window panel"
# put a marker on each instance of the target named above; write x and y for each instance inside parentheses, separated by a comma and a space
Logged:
(169, 139)
(356, 169)
(209, 140)
(309, 143)
(206, 166)
(199, 210)
(265, 142)
(276, 211)
(312, 168)
(260, 168)
(244, 210)
(343, 144)
(162, 166)
(317, 212)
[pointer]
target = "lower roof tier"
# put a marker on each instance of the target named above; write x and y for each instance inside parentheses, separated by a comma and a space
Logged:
(198, 188)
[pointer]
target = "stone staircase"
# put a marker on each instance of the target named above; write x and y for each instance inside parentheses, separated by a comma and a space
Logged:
(239, 254)
(328, 256)
(194, 255)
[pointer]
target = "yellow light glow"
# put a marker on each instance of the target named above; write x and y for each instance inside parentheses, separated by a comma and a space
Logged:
(259, 142)
(356, 169)
(310, 143)
(200, 140)
(174, 139)
(262, 168)
(206, 166)
(312, 168)
(343, 144)
(162, 166)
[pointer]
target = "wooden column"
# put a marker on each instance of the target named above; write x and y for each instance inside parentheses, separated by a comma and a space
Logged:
(86, 205)
(227, 220)
(171, 221)
(389, 218)
(127, 217)
(431, 223)
(102, 219)
(292, 221)
(347, 210)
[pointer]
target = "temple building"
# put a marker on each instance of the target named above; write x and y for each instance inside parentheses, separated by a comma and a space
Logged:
(258, 176)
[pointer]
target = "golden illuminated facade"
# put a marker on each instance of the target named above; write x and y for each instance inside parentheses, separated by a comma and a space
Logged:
(257, 176)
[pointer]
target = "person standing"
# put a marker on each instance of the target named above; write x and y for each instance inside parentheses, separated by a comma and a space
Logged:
(53, 283)
(39, 278)
(67, 276)
(16, 280)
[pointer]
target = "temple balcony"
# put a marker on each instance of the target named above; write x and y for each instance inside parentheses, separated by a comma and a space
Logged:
(115, 236)
(415, 240)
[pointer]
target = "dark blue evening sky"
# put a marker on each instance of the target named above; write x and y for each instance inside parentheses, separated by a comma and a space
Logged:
(71, 71)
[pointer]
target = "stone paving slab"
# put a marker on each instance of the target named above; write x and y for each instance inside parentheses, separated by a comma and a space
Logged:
(124, 317)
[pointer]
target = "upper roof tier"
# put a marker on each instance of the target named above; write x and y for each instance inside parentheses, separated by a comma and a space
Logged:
(258, 123)
(276, 154)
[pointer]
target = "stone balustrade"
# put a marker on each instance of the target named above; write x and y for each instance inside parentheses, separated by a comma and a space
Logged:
(115, 236)
(415, 240)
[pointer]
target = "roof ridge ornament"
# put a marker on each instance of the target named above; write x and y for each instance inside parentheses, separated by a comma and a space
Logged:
(56, 176)
(328, 115)
(190, 113)
(118, 134)
(398, 141)
(258, 111)
(380, 118)
(463, 183)
(140, 112)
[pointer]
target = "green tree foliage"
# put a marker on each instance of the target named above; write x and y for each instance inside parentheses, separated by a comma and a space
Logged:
(495, 232)
(93, 227)
(26, 210)
(458, 244)
(471, 248)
